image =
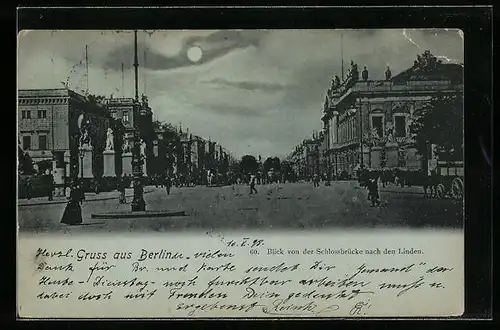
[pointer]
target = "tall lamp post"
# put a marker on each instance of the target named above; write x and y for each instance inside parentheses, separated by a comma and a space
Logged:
(361, 142)
(138, 203)
(335, 115)
(327, 153)
(81, 151)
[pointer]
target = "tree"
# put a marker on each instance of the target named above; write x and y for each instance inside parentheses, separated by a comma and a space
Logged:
(25, 163)
(268, 164)
(440, 122)
(95, 98)
(249, 164)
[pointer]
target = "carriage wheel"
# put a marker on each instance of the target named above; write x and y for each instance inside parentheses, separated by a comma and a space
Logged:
(457, 189)
(440, 191)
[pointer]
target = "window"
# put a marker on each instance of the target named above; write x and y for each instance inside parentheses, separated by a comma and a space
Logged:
(26, 142)
(28, 114)
(23, 114)
(125, 116)
(378, 125)
(400, 125)
(42, 113)
(42, 142)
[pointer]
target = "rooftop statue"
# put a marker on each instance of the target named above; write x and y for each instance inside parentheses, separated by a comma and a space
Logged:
(364, 74)
(388, 73)
(334, 85)
(353, 72)
(337, 81)
(426, 61)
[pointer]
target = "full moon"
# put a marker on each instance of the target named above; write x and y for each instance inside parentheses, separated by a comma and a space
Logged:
(194, 53)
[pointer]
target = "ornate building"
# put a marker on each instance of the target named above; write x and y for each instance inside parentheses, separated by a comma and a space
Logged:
(48, 127)
(376, 114)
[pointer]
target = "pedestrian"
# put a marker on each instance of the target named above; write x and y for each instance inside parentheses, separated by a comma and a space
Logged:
(252, 184)
(81, 191)
(73, 212)
(50, 186)
(121, 187)
(28, 187)
(425, 183)
(434, 182)
(316, 180)
(168, 183)
(373, 192)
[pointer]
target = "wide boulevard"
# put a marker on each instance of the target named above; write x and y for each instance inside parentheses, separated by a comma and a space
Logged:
(276, 206)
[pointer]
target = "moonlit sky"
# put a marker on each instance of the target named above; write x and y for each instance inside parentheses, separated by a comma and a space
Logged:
(257, 92)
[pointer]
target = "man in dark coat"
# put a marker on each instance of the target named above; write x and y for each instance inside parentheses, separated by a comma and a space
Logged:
(28, 187)
(373, 191)
(168, 183)
(252, 182)
(121, 186)
(50, 186)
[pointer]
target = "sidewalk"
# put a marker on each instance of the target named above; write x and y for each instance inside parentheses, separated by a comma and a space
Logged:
(390, 188)
(89, 197)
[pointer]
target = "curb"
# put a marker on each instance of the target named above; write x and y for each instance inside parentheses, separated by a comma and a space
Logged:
(85, 200)
(139, 214)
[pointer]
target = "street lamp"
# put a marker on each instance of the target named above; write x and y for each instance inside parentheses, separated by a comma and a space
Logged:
(335, 115)
(138, 203)
(352, 112)
(81, 151)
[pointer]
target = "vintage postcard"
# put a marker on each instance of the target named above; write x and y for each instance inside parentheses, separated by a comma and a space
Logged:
(240, 173)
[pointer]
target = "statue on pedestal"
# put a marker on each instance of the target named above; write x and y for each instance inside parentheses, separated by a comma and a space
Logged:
(85, 140)
(109, 140)
(374, 133)
(126, 145)
(390, 132)
(143, 148)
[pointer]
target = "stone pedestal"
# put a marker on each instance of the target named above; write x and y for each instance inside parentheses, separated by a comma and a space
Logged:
(127, 163)
(109, 163)
(144, 168)
(87, 164)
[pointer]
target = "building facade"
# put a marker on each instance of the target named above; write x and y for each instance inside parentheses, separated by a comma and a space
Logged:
(372, 118)
(131, 112)
(48, 127)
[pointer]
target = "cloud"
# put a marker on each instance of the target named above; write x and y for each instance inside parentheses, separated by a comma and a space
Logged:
(214, 45)
(248, 85)
(230, 110)
(256, 92)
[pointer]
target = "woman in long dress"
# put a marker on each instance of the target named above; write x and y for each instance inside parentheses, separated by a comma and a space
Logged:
(73, 212)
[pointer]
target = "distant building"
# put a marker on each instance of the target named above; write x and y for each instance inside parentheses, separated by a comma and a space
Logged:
(122, 109)
(387, 108)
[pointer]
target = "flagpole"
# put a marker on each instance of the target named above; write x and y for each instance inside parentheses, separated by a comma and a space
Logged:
(342, 52)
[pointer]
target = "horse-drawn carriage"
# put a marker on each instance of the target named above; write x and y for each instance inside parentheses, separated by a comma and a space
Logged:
(451, 180)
